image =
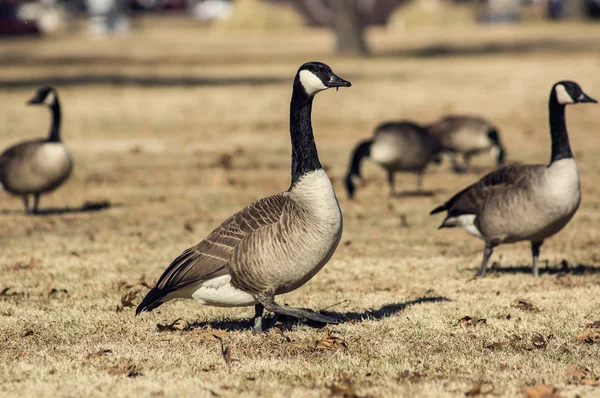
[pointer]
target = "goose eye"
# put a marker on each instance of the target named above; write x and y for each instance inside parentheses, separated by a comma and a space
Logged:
(316, 69)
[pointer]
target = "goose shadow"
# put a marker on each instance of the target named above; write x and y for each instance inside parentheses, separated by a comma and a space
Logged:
(562, 269)
(417, 193)
(287, 322)
(87, 207)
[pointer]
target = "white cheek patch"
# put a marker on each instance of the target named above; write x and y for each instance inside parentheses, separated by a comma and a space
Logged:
(562, 95)
(311, 83)
(50, 98)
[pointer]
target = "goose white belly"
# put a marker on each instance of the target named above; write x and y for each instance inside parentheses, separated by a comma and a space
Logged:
(216, 292)
(41, 170)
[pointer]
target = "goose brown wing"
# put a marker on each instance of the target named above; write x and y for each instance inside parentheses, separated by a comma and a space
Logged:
(210, 258)
(471, 199)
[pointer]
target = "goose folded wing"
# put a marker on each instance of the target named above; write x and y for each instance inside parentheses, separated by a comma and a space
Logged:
(471, 199)
(210, 258)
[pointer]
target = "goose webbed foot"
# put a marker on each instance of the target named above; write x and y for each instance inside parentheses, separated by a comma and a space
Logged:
(269, 303)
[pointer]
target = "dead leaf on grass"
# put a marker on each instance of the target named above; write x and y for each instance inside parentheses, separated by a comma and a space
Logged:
(5, 292)
(97, 354)
(591, 333)
(497, 345)
(539, 341)
(480, 389)
(27, 333)
(409, 376)
(344, 388)
(276, 330)
(330, 342)
(54, 292)
(177, 325)
(581, 375)
(145, 283)
(524, 305)
(188, 226)
(21, 266)
(543, 391)
(126, 368)
(471, 321)
(127, 300)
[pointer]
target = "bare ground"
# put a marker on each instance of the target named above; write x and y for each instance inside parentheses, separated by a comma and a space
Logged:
(178, 127)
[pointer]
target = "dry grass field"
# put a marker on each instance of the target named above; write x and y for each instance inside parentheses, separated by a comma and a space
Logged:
(179, 127)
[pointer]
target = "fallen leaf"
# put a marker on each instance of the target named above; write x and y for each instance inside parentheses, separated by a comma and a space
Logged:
(215, 335)
(27, 333)
(469, 321)
(188, 226)
(100, 353)
(127, 300)
(497, 345)
(144, 283)
(344, 388)
(52, 291)
(75, 254)
(524, 305)
(591, 333)
(177, 324)
(479, 390)
(226, 353)
(126, 368)
(581, 375)
(278, 332)
(20, 266)
(542, 391)
(539, 341)
(329, 342)
(409, 376)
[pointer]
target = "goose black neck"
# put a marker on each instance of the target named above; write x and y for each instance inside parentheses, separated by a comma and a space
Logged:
(54, 135)
(561, 148)
(304, 151)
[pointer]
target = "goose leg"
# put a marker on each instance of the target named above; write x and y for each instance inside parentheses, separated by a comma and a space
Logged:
(268, 301)
(467, 161)
(420, 180)
(26, 203)
(391, 183)
(535, 253)
(487, 252)
(258, 313)
(456, 166)
(36, 202)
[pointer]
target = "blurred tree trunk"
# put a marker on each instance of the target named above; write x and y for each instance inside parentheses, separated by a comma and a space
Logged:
(349, 27)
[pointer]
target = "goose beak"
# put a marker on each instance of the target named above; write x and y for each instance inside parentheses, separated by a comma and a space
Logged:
(586, 98)
(336, 81)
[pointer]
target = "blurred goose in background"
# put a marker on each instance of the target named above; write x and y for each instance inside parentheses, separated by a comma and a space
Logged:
(276, 244)
(395, 146)
(37, 166)
(468, 136)
(524, 202)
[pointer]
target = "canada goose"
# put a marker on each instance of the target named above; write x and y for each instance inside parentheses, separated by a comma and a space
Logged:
(395, 146)
(37, 166)
(524, 202)
(276, 244)
(467, 136)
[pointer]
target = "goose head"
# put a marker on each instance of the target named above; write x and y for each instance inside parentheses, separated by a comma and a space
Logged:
(44, 96)
(568, 92)
(314, 77)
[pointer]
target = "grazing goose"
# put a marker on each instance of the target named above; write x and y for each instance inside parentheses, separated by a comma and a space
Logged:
(276, 244)
(395, 146)
(467, 136)
(37, 166)
(524, 202)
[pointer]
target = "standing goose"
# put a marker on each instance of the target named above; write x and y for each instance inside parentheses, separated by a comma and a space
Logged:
(276, 244)
(37, 166)
(467, 136)
(395, 146)
(524, 202)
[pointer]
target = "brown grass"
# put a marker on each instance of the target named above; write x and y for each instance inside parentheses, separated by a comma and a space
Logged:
(156, 153)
